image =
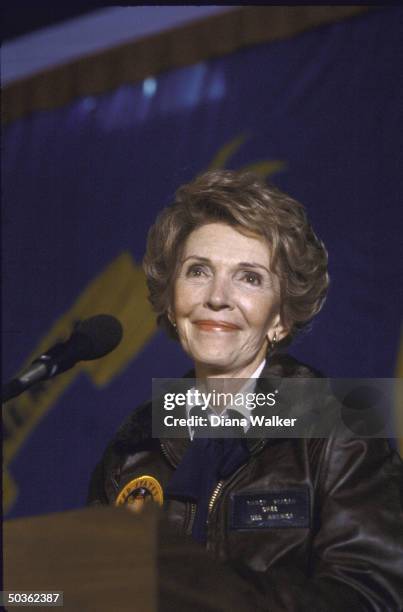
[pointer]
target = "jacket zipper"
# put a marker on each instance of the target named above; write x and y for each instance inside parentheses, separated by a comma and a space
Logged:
(193, 507)
(217, 490)
(214, 495)
(167, 455)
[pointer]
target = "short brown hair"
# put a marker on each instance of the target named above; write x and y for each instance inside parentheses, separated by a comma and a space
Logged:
(243, 200)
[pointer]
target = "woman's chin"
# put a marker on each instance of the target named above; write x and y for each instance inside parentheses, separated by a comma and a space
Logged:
(212, 362)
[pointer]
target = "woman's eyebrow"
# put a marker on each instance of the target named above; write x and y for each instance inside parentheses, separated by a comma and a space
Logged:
(241, 264)
(248, 264)
(205, 259)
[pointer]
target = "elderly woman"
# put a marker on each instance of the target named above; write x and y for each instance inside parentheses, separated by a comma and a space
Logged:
(235, 271)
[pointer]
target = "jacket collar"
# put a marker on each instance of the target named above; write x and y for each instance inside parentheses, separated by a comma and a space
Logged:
(278, 366)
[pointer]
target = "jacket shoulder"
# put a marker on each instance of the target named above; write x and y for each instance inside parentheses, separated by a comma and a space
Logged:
(135, 433)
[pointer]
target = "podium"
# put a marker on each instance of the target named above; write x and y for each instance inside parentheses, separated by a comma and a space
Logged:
(108, 559)
(102, 558)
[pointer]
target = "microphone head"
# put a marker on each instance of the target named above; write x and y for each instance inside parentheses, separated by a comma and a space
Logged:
(97, 336)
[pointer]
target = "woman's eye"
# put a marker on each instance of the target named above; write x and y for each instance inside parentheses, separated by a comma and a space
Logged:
(252, 278)
(195, 271)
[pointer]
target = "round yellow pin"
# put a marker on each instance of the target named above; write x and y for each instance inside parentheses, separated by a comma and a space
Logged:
(139, 491)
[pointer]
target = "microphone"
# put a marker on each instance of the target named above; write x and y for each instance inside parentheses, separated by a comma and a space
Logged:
(91, 339)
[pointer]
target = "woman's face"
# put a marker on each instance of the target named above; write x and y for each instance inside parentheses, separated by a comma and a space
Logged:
(226, 301)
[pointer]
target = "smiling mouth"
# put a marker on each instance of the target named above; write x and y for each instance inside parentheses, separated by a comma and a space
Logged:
(207, 325)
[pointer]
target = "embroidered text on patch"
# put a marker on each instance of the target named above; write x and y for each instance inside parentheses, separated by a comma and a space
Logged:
(283, 508)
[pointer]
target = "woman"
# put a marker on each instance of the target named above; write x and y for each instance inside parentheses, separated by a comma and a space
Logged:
(235, 271)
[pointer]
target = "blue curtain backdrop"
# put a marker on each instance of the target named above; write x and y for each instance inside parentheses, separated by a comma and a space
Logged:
(319, 114)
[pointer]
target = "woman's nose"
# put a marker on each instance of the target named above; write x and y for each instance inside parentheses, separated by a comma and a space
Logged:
(219, 294)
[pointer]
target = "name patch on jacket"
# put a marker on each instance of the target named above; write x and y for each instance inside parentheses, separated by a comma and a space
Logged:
(285, 508)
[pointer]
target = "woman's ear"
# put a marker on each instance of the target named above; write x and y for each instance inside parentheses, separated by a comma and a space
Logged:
(277, 331)
(170, 316)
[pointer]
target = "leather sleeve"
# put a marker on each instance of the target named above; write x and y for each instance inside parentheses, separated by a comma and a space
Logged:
(357, 560)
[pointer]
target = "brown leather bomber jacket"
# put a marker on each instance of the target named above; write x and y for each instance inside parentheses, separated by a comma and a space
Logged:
(340, 549)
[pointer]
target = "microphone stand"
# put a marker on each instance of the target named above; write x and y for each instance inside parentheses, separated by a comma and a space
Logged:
(36, 372)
